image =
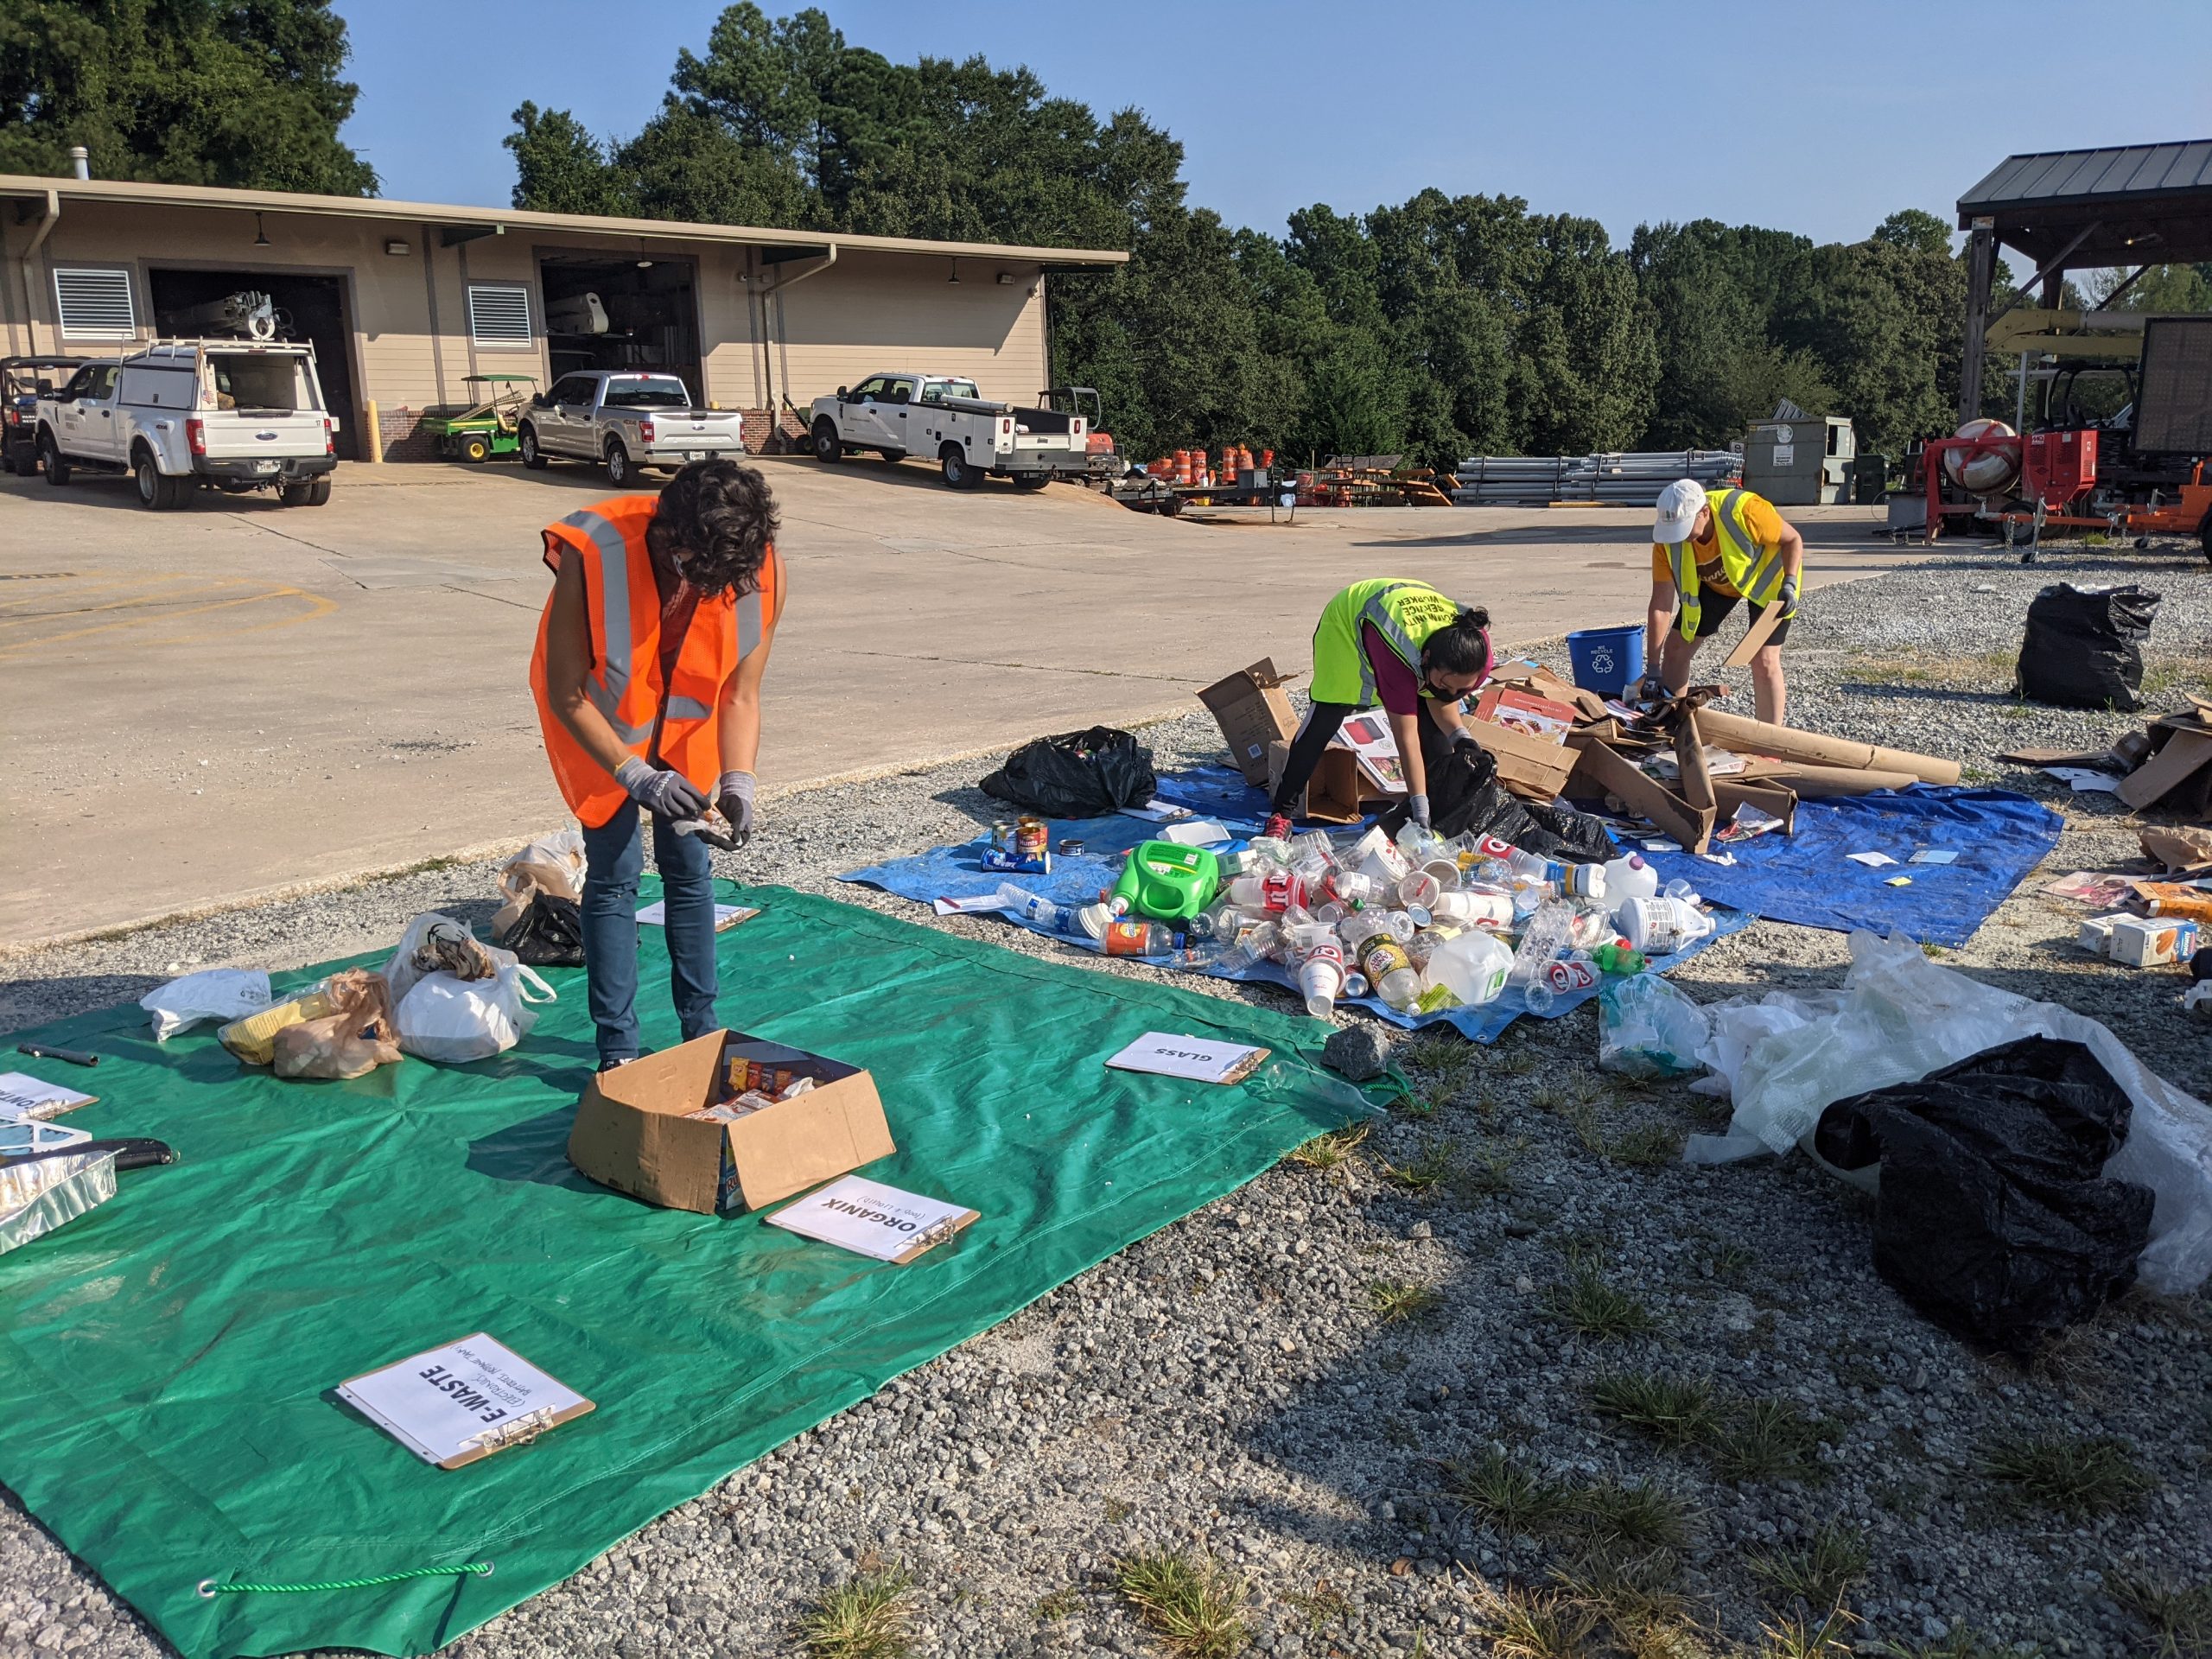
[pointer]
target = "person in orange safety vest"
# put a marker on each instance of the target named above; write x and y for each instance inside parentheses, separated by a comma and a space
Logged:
(647, 678)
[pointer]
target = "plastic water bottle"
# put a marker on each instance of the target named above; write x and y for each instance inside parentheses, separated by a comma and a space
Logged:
(1544, 939)
(1029, 908)
(1583, 881)
(1383, 959)
(1138, 939)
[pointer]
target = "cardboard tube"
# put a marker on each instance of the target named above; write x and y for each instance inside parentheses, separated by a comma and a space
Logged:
(1819, 783)
(1787, 743)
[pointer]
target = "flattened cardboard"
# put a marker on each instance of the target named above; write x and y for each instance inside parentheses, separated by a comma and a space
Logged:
(1689, 756)
(1534, 768)
(2181, 758)
(632, 1132)
(1253, 711)
(1755, 638)
(1535, 678)
(1776, 800)
(1606, 772)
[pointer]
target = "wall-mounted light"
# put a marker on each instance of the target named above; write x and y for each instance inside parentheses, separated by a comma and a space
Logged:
(645, 265)
(1006, 279)
(260, 235)
(396, 248)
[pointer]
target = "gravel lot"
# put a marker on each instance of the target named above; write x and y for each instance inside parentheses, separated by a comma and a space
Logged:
(1322, 1382)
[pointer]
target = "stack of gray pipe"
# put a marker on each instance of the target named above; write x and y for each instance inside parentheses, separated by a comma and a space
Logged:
(1612, 480)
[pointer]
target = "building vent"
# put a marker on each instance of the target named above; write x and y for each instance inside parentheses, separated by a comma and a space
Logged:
(95, 304)
(499, 315)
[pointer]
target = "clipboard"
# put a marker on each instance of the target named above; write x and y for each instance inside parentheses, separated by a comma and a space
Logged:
(426, 1401)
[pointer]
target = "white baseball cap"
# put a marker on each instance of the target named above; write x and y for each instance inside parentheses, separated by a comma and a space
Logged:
(1680, 503)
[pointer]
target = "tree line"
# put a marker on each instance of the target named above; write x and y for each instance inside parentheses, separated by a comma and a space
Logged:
(1441, 326)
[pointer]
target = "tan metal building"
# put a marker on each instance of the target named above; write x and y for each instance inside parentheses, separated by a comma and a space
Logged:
(404, 299)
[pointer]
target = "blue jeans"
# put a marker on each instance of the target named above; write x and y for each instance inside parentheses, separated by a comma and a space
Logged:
(615, 856)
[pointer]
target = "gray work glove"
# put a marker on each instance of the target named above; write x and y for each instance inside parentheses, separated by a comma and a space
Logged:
(1464, 739)
(1418, 806)
(663, 793)
(1651, 689)
(1788, 597)
(734, 795)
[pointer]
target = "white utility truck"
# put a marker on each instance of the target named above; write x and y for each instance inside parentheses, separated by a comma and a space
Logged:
(238, 414)
(898, 414)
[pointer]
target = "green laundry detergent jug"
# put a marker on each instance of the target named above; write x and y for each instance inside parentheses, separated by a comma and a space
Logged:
(1168, 880)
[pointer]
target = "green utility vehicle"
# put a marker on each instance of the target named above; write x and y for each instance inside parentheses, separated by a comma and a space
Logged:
(487, 428)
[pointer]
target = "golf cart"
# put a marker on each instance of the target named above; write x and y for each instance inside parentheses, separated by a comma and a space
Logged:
(486, 426)
(23, 381)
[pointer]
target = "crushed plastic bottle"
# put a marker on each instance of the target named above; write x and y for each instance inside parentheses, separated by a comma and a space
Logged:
(1024, 907)
(1545, 938)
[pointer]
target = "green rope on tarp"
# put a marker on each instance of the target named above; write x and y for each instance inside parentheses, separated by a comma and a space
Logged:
(469, 1569)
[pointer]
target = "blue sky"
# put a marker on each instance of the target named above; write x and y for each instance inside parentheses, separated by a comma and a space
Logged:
(1819, 119)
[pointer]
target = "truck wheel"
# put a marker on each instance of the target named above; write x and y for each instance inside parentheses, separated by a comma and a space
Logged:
(618, 465)
(2205, 537)
(156, 493)
(307, 492)
(51, 461)
(532, 456)
(1033, 481)
(953, 462)
(476, 447)
(827, 445)
(892, 457)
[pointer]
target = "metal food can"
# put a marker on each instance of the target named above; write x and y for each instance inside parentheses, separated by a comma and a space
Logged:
(1032, 837)
(1070, 847)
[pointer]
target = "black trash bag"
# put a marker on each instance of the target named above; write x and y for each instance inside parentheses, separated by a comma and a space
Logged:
(1995, 1220)
(1075, 775)
(2083, 646)
(1465, 797)
(550, 933)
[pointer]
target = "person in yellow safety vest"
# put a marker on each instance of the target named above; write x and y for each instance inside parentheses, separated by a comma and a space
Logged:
(647, 679)
(1405, 646)
(1710, 553)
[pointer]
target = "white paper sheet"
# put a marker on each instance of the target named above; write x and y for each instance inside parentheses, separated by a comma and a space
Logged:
(1872, 861)
(2084, 778)
(726, 915)
(975, 905)
(871, 1219)
(1198, 832)
(444, 1403)
(1192, 1057)
(25, 1095)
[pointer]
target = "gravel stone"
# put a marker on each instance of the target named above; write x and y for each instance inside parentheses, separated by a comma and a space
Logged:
(1360, 1052)
(1223, 1385)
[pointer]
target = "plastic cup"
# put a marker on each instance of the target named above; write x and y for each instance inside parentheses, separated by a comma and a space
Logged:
(1420, 890)
(1320, 977)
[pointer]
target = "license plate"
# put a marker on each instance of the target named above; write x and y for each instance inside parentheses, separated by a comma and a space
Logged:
(695, 454)
(265, 466)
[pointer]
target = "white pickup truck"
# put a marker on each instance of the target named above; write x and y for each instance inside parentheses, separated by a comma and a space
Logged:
(238, 414)
(898, 414)
(623, 421)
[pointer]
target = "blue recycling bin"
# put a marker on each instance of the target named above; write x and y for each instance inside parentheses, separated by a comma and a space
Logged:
(1606, 660)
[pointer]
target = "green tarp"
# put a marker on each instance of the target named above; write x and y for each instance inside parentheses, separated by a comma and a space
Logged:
(167, 1362)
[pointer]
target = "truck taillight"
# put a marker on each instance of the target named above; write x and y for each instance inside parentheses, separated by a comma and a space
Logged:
(646, 430)
(195, 434)
(329, 444)
(12, 416)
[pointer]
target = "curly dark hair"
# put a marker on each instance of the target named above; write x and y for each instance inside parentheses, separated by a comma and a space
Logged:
(715, 522)
(1461, 646)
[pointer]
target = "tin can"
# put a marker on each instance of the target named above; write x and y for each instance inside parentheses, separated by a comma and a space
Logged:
(1032, 837)
(1003, 835)
(1070, 847)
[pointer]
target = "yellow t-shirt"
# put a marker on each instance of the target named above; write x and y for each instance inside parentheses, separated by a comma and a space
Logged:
(1759, 518)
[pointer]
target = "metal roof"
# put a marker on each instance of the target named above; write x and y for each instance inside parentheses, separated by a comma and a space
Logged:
(793, 243)
(2124, 173)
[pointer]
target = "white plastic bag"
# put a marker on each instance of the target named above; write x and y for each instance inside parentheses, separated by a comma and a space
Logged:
(223, 994)
(1901, 1017)
(554, 865)
(454, 1020)
(431, 939)
(1648, 1028)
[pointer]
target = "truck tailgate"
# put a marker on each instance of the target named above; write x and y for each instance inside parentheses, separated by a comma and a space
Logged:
(239, 435)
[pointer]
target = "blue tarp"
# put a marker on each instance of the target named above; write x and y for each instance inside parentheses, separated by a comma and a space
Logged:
(957, 871)
(1806, 877)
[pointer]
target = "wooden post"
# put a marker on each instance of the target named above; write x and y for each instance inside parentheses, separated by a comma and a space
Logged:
(1981, 262)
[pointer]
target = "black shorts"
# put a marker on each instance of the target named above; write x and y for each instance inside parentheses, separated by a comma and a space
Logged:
(1714, 609)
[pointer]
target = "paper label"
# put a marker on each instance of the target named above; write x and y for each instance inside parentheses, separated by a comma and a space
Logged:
(447, 1402)
(871, 1219)
(726, 915)
(25, 1095)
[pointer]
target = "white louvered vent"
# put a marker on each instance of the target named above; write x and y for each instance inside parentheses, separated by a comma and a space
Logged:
(95, 304)
(499, 315)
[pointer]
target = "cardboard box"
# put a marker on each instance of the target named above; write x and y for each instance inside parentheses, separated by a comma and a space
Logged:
(2151, 941)
(1534, 768)
(1527, 711)
(1603, 772)
(1338, 793)
(1253, 711)
(2179, 776)
(632, 1133)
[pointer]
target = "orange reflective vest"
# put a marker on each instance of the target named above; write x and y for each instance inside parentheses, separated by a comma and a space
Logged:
(624, 684)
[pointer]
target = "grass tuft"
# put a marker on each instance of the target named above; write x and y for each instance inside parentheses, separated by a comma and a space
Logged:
(1651, 1146)
(864, 1617)
(1060, 1603)
(1818, 1575)
(1641, 1519)
(1771, 1440)
(1194, 1607)
(1492, 1174)
(2076, 1476)
(1397, 1300)
(1426, 1173)
(1677, 1412)
(1962, 1642)
(1536, 1624)
(1332, 1150)
(2177, 1616)
(1795, 1637)
(1644, 1616)
(1584, 1302)
(1321, 1606)
(1505, 1493)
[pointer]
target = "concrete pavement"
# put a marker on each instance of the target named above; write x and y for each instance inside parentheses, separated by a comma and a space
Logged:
(240, 699)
